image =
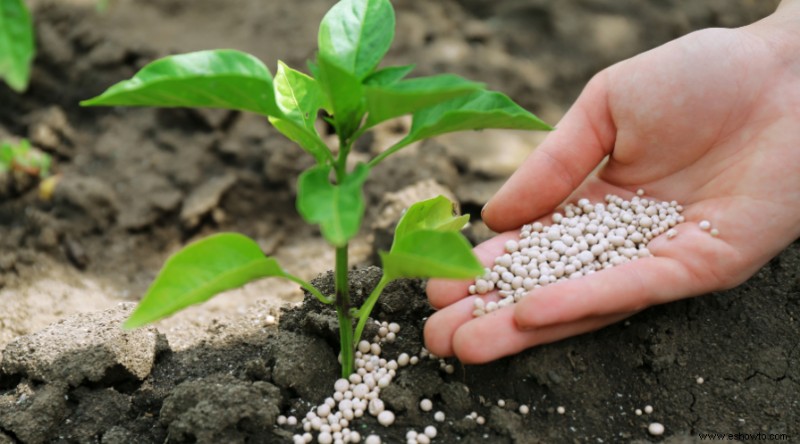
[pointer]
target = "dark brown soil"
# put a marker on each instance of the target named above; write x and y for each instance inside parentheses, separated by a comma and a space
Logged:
(131, 180)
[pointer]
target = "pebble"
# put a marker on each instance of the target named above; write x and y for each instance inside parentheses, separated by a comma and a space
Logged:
(655, 429)
(426, 405)
(386, 418)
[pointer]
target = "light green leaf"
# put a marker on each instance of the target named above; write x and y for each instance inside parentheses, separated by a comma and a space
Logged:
(298, 96)
(302, 136)
(476, 111)
(356, 34)
(338, 209)
(16, 44)
(210, 79)
(345, 94)
(409, 96)
(432, 214)
(201, 270)
(431, 254)
(388, 75)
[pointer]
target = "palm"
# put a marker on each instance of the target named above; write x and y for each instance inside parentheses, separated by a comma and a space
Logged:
(717, 135)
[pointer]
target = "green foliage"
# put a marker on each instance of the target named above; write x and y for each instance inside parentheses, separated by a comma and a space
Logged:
(16, 44)
(355, 35)
(204, 79)
(338, 208)
(201, 270)
(428, 243)
(348, 90)
(23, 157)
(479, 110)
(388, 75)
(409, 96)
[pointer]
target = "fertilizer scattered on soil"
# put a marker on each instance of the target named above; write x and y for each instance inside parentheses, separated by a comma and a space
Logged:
(585, 239)
(360, 394)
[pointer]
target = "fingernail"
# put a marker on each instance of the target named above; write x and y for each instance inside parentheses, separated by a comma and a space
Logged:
(483, 210)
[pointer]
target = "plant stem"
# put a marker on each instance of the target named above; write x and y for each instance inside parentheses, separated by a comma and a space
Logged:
(342, 300)
(342, 303)
(369, 304)
(310, 288)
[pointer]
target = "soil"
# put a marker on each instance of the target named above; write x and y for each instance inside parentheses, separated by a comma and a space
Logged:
(136, 184)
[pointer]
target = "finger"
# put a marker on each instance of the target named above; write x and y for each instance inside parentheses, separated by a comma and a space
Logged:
(443, 292)
(691, 264)
(496, 335)
(583, 137)
(442, 325)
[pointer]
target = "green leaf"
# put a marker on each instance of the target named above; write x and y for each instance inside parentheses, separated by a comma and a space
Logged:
(356, 34)
(302, 136)
(338, 209)
(6, 156)
(409, 96)
(432, 214)
(427, 243)
(345, 94)
(222, 78)
(16, 44)
(201, 270)
(388, 75)
(298, 96)
(431, 254)
(476, 111)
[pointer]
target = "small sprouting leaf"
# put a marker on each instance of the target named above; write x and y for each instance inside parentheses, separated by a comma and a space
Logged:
(431, 254)
(388, 75)
(201, 270)
(298, 96)
(479, 110)
(427, 243)
(338, 208)
(345, 94)
(409, 96)
(210, 79)
(432, 214)
(302, 136)
(16, 44)
(356, 34)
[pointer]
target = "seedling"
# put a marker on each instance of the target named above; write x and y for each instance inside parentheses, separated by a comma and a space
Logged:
(353, 95)
(16, 44)
(24, 158)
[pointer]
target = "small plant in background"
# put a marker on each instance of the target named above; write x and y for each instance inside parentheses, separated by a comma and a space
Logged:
(354, 95)
(24, 158)
(21, 166)
(16, 44)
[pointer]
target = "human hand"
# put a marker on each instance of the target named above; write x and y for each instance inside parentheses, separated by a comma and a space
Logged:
(711, 120)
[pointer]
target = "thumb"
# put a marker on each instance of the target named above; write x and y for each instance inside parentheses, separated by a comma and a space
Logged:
(581, 140)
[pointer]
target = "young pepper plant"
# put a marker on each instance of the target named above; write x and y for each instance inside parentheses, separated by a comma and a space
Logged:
(354, 95)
